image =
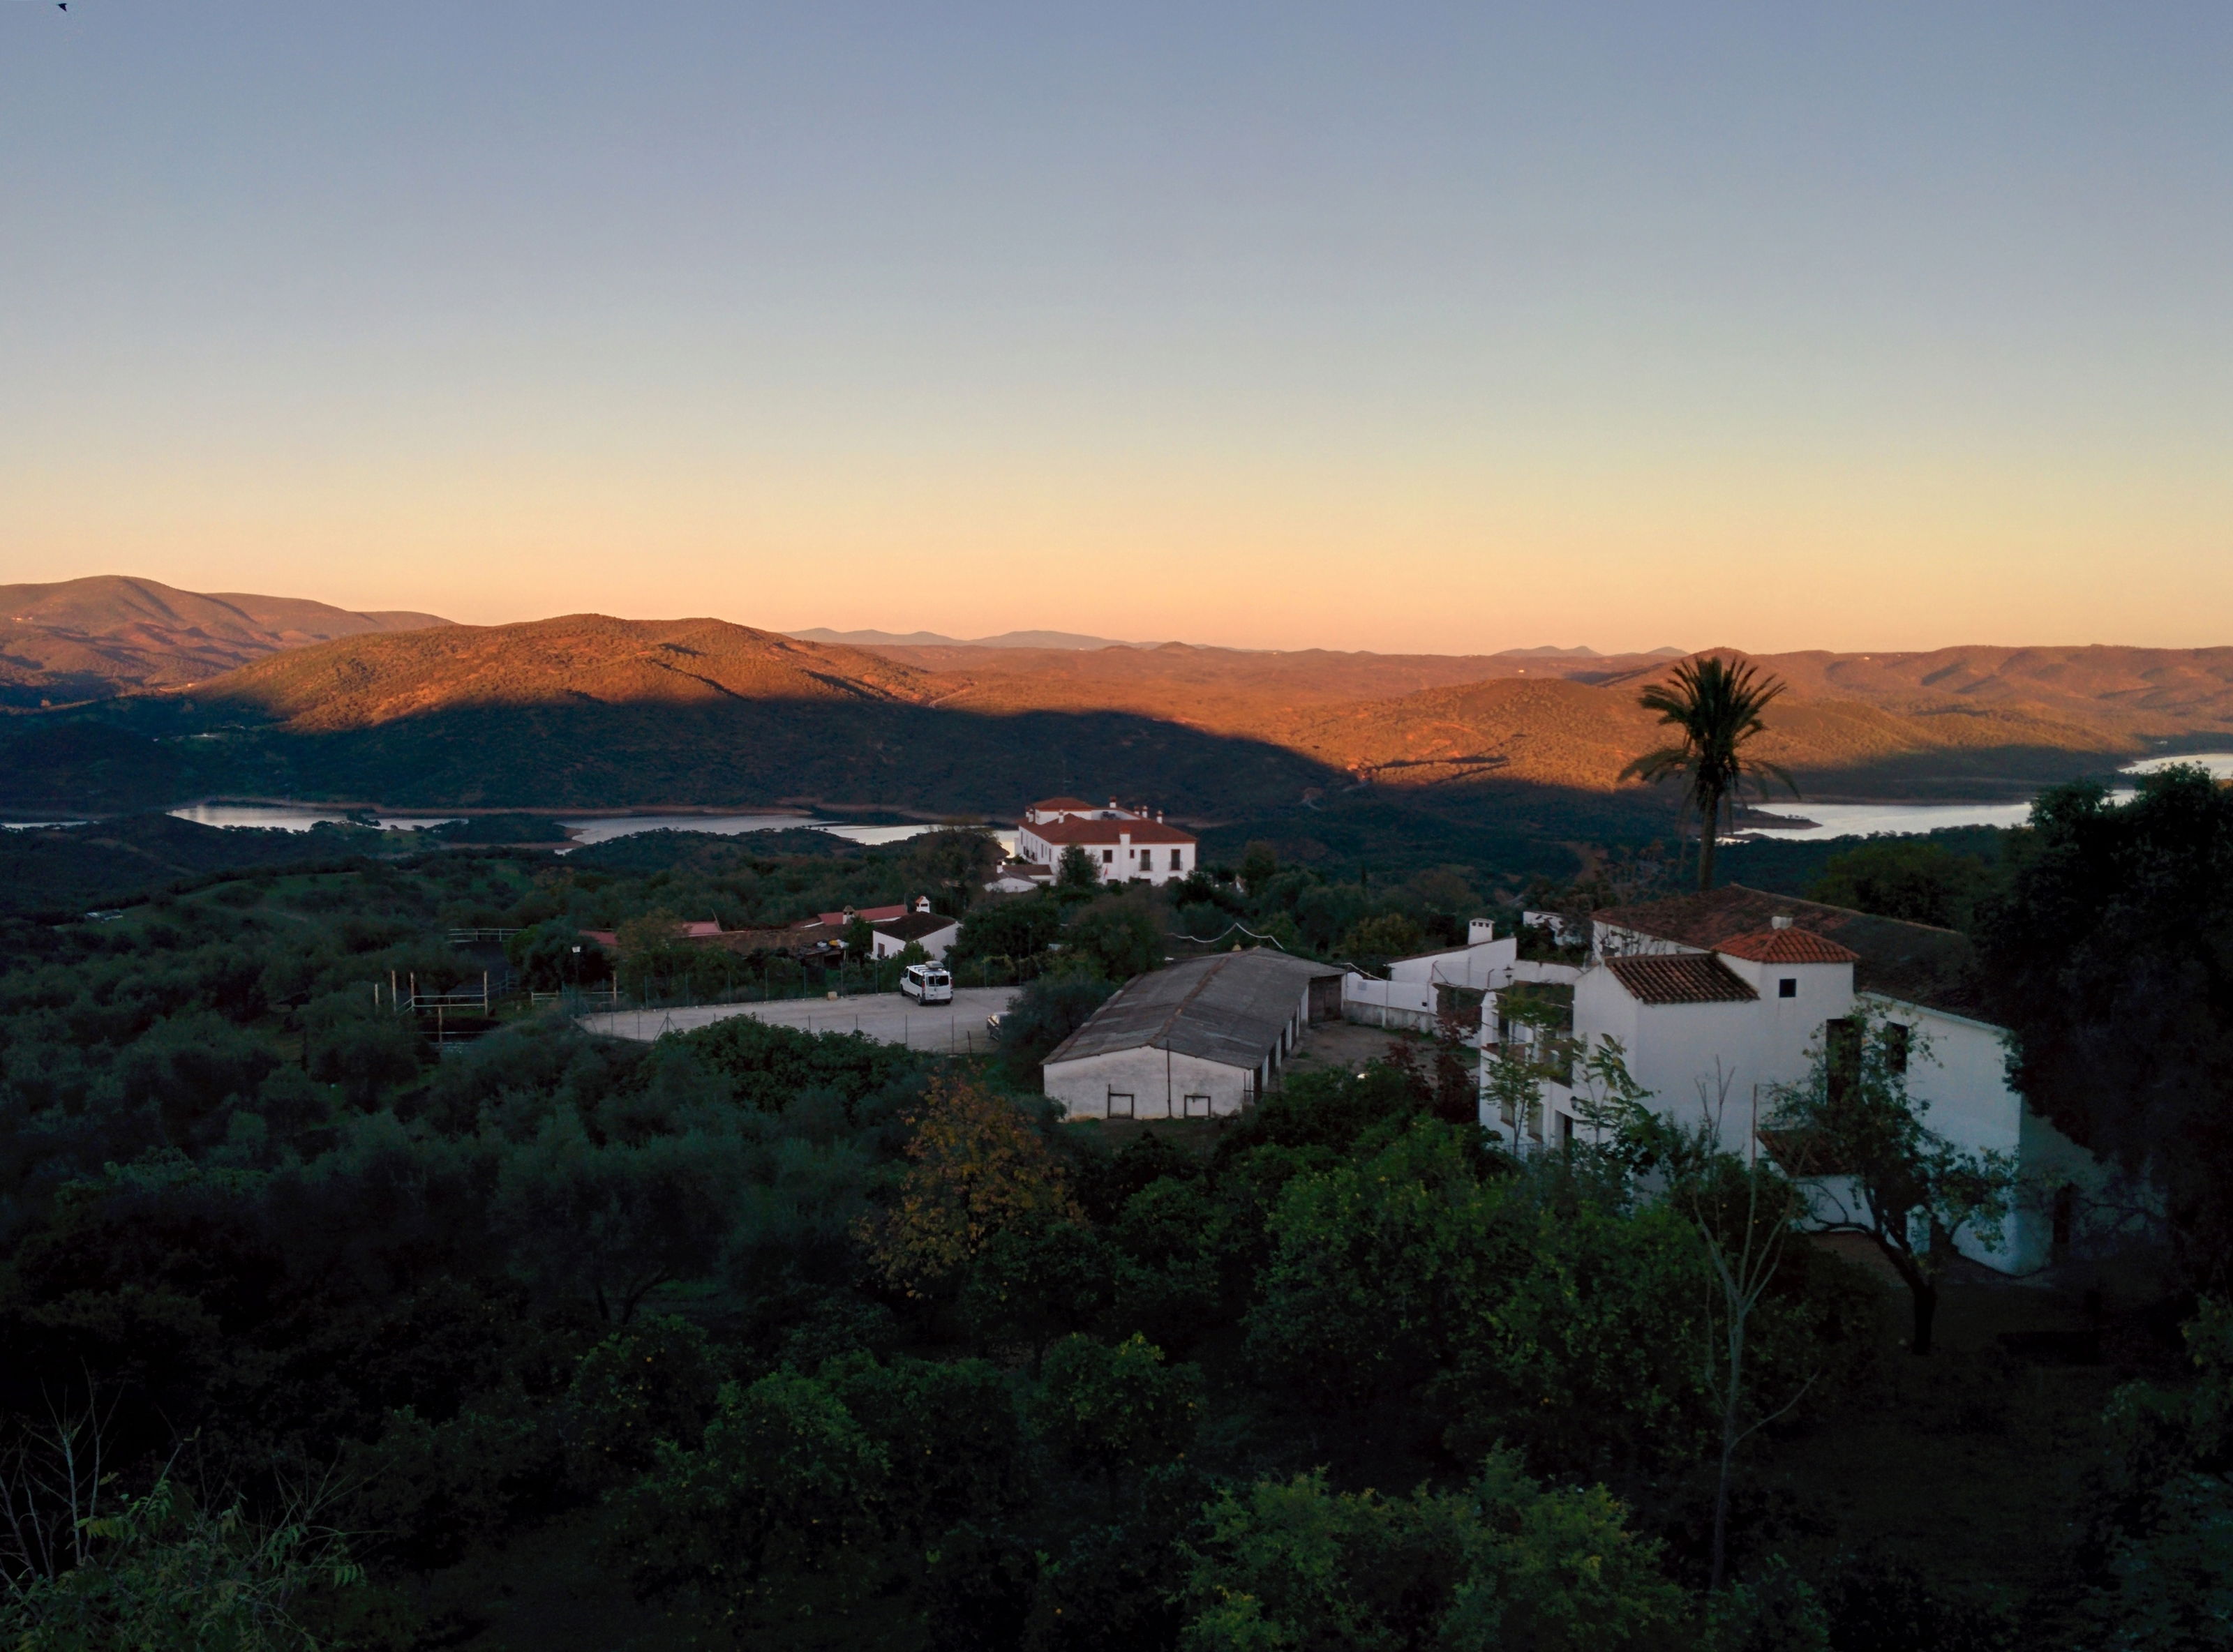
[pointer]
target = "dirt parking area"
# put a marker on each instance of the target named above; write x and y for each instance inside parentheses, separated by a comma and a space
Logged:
(958, 1028)
(1347, 1046)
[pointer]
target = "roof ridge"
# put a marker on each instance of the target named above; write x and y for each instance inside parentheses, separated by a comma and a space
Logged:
(1843, 912)
(1216, 964)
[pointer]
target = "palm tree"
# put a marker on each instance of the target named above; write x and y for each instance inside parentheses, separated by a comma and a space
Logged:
(1717, 704)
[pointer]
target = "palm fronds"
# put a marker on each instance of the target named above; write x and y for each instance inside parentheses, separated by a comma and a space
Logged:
(1716, 705)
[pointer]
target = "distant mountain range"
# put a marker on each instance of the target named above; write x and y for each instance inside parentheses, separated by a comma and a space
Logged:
(85, 639)
(1077, 639)
(589, 711)
(933, 639)
(1523, 748)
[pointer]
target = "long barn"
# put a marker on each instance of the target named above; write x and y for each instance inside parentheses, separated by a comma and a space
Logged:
(1199, 1039)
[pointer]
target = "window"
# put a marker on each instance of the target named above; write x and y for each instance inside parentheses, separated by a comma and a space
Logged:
(1197, 1107)
(1109, 857)
(1841, 1048)
(1787, 987)
(1177, 862)
(1895, 1046)
(1120, 1105)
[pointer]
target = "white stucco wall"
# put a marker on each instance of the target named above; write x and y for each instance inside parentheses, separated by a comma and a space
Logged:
(1480, 967)
(1158, 1081)
(1408, 1005)
(937, 943)
(1959, 1067)
(1119, 860)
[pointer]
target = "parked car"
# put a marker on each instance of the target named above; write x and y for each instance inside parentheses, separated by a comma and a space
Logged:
(927, 983)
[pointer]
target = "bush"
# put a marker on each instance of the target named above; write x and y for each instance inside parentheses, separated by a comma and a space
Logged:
(1043, 1015)
(1118, 934)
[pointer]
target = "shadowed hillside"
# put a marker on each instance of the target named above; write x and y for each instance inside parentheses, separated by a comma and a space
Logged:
(86, 638)
(587, 711)
(594, 712)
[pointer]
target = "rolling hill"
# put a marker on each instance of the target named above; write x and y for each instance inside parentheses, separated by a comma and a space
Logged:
(587, 711)
(88, 639)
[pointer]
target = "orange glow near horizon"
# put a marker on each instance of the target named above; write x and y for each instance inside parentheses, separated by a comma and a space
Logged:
(1438, 330)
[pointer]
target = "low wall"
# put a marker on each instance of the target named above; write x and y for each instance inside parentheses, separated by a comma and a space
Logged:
(1406, 1006)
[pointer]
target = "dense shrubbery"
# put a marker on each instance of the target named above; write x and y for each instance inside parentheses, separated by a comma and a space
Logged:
(808, 1341)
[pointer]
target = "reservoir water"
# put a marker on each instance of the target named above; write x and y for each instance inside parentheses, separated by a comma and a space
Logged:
(597, 829)
(1862, 820)
(1828, 820)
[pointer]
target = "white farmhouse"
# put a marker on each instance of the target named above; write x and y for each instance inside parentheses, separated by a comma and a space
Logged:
(1724, 996)
(1197, 1039)
(1123, 844)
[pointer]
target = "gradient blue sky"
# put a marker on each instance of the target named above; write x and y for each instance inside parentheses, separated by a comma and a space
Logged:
(1447, 328)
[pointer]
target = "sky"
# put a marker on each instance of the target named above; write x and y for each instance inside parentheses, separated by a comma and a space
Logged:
(1404, 327)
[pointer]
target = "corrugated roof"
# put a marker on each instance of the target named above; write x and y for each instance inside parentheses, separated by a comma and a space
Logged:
(1911, 961)
(1793, 946)
(1230, 1007)
(1680, 978)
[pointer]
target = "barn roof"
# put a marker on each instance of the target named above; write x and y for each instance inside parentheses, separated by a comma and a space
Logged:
(1229, 1007)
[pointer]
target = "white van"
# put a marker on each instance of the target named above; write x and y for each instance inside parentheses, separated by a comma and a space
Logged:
(927, 983)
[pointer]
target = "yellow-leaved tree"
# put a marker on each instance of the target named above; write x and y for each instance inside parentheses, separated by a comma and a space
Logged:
(976, 1167)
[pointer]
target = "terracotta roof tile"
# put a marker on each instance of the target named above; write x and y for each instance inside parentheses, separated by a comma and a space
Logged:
(915, 925)
(1793, 946)
(1106, 831)
(1680, 978)
(1902, 960)
(838, 920)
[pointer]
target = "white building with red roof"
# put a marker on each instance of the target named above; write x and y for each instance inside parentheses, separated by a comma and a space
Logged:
(1717, 999)
(1124, 845)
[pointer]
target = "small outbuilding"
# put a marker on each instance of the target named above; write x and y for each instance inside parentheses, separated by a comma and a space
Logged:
(934, 932)
(1198, 1039)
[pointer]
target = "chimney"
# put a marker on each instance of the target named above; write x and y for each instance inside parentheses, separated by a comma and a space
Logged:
(922, 903)
(1480, 931)
(1782, 920)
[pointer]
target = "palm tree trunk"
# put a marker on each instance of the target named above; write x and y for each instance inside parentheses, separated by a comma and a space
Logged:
(1710, 829)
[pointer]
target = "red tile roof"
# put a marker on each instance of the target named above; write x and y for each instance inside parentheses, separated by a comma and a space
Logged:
(1065, 802)
(1680, 978)
(1098, 832)
(915, 924)
(838, 920)
(1902, 960)
(1793, 946)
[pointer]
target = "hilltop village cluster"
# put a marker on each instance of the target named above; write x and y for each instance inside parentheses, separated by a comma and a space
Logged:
(1714, 1001)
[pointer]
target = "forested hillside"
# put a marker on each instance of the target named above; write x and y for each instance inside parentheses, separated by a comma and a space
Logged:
(751, 1336)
